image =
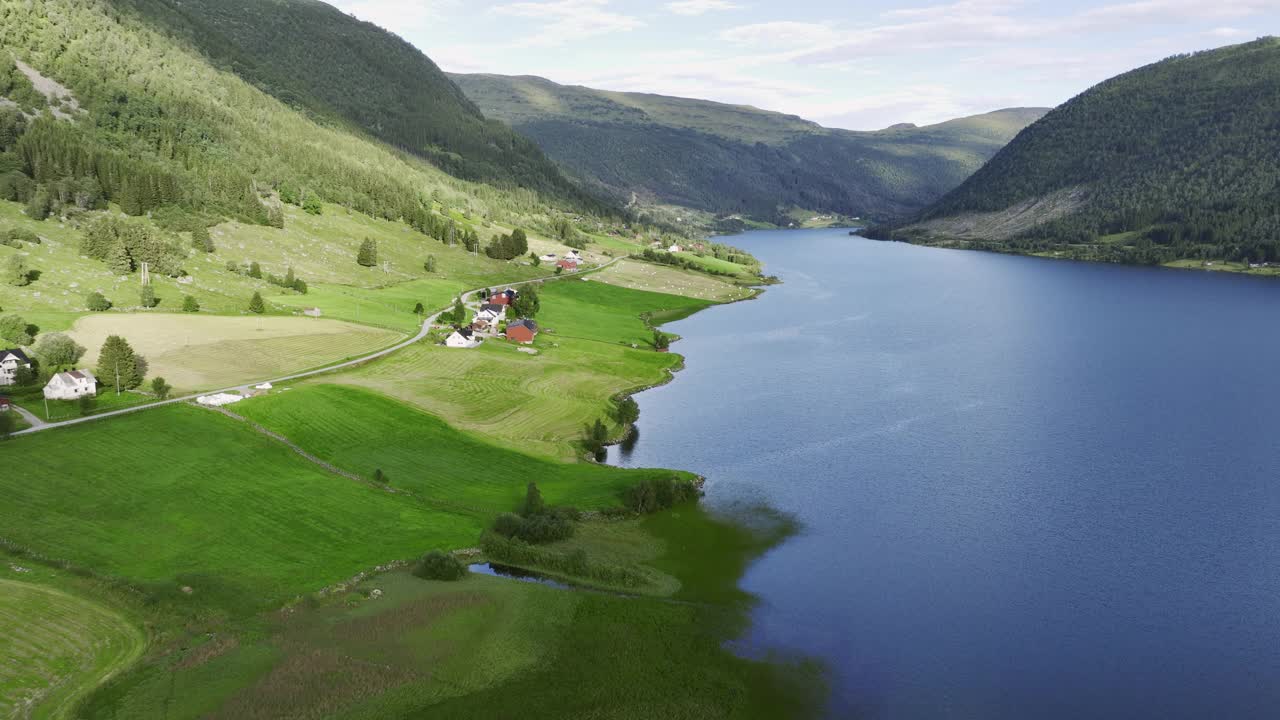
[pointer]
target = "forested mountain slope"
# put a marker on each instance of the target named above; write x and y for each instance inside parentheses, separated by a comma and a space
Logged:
(734, 159)
(1179, 159)
(313, 56)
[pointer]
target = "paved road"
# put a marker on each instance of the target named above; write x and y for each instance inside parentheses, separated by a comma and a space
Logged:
(30, 417)
(39, 425)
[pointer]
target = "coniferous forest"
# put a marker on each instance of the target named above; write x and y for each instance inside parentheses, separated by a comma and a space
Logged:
(1180, 159)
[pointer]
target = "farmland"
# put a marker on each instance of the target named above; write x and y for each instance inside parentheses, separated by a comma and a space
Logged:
(666, 279)
(607, 313)
(361, 432)
(166, 482)
(490, 647)
(57, 648)
(207, 352)
(538, 403)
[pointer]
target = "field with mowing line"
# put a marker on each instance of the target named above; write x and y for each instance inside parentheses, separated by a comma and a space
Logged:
(55, 648)
(361, 432)
(184, 496)
(204, 352)
(598, 311)
(652, 277)
(536, 403)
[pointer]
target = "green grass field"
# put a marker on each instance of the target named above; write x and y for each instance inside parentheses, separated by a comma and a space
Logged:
(608, 313)
(537, 403)
(361, 432)
(494, 647)
(652, 277)
(55, 648)
(183, 496)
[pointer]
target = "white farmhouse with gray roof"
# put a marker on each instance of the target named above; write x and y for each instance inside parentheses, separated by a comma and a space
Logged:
(71, 385)
(10, 361)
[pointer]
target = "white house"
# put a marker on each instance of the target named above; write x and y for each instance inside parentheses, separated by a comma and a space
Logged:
(10, 361)
(491, 313)
(674, 249)
(573, 256)
(71, 385)
(462, 338)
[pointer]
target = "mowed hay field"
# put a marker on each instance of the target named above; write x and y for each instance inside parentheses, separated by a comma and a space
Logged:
(389, 307)
(537, 404)
(204, 352)
(56, 648)
(638, 275)
(182, 496)
(360, 431)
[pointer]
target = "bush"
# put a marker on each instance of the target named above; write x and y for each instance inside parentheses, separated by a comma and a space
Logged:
(190, 304)
(97, 302)
(649, 496)
(437, 565)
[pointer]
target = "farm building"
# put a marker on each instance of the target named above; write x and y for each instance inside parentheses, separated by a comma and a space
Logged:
(10, 361)
(550, 257)
(567, 264)
(5, 404)
(462, 338)
(573, 256)
(674, 249)
(71, 385)
(522, 331)
(491, 313)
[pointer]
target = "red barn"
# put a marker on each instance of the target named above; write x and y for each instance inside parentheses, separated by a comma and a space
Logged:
(522, 331)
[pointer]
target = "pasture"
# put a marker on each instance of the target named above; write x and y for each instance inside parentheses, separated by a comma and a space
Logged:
(389, 307)
(204, 352)
(360, 431)
(493, 647)
(593, 310)
(55, 648)
(651, 277)
(181, 496)
(538, 404)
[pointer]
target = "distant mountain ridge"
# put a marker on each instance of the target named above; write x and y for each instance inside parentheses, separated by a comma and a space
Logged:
(1177, 160)
(736, 159)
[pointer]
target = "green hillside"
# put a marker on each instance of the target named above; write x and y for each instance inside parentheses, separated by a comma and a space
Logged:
(730, 159)
(311, 55)
(1174, 161)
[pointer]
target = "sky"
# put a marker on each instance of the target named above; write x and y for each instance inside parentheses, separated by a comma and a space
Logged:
(856, 65)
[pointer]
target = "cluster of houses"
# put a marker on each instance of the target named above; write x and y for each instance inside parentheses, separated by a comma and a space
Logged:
(69, 385)
(568, 263)
(487, 321)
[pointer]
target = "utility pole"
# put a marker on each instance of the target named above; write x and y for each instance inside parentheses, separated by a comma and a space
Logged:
(117, 378)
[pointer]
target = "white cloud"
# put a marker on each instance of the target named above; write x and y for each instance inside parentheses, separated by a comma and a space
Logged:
(566, 20)
(398, 16)
(700, 7)
(784, 34)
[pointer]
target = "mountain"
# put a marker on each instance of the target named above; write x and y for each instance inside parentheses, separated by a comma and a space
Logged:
(1175, 160)
(312, 56)
(731, 159)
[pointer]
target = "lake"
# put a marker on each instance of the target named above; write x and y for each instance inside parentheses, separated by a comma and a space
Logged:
(1027, 488)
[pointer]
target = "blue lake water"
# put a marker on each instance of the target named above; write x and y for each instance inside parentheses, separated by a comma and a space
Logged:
(1028, 488)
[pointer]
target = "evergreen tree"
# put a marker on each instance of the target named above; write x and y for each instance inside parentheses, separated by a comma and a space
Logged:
(255, 270)
(661, 341)
(147, 297)
(289, 278)
(201, 240)
(419, 309)
(368, 253)
(459, 312)
(256, 305)
(430, 264)
(118, 364)
(118, 260)
(519, 243)
(190, 304)
(533, 503)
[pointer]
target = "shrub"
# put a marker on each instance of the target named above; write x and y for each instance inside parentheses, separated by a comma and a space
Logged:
(97, 302)
(649, 496)
(190, 304)
(147, 297)
(437, 565)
